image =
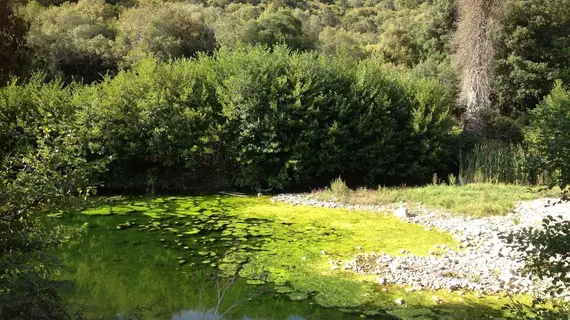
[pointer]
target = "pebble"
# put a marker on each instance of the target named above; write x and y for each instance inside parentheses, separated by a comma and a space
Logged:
(485, 264)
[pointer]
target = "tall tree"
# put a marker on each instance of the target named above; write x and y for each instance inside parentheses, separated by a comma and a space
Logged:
(474, 48)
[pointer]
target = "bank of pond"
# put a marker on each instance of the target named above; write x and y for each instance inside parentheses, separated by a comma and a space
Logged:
(173, 257)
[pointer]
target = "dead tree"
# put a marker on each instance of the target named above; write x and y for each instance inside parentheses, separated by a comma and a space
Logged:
(474, 49)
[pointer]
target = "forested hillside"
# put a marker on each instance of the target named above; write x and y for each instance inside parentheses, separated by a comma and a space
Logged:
(87, 39)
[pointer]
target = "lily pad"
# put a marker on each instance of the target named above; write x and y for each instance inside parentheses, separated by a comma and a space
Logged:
(297, 296)
(283, 289)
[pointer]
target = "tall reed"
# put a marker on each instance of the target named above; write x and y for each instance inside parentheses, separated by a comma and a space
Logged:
(495, 162)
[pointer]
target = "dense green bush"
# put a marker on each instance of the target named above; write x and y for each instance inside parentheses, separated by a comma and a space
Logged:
(42, 166)
(550, 133)
(12, 33)
(254, 118)
(270, 29)
(159, 126)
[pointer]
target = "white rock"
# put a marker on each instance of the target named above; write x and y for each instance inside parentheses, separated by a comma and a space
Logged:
(401, 212)
(399, 301)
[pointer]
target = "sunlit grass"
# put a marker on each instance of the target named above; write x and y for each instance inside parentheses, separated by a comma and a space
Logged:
(477, 199)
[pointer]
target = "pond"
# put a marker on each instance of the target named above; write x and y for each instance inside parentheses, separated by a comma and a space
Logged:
(170, 258)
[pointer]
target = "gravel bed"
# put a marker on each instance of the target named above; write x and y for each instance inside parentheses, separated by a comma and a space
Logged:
(483, 262)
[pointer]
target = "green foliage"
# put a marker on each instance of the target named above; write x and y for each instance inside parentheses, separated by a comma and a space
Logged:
(42, 167)
(549, 133)
(258, 118)
(333, 41)
(532, 47)
(164, 30)
(12, 34)
(301, 116)
(269, 29)
(73, 40)
(339, 188)
(96, 36)
(171, 132)
(493, 161)
(546, 256)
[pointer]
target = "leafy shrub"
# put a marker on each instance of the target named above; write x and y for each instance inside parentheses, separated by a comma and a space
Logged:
(258, 118)
(339, 188)
(546, 252)
(269, 29)
(42, 166)
(550, 133)
(159, 126)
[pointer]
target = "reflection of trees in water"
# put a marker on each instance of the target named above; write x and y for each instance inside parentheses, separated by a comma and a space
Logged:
(210, 315)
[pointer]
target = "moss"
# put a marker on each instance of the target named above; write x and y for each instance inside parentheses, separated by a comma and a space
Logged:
(102, 211)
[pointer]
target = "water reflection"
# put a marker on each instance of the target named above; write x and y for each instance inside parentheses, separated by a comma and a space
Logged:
(211, 315)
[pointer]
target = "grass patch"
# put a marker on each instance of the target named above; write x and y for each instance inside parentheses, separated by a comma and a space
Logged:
(477, 199)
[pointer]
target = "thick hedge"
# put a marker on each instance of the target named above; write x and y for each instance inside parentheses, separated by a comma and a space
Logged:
(258, 118)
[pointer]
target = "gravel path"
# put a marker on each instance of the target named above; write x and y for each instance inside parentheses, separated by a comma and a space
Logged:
(483, 262)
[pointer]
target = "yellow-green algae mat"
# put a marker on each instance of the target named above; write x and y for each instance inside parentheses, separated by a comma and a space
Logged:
(297, 247)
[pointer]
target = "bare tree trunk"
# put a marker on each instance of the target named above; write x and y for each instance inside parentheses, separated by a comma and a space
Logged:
(474, 48)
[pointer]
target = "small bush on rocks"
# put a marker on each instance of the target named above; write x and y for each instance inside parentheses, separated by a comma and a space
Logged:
(339, 188)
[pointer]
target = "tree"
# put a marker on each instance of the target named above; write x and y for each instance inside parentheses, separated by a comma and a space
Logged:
(41, 168)
(475, 56)
(270, 29)
(74, 40)
(532, 47)
(549, 133)
(164, 30)
(12, 32)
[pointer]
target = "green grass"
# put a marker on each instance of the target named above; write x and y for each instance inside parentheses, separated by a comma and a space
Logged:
(279, 243)
(477, 199)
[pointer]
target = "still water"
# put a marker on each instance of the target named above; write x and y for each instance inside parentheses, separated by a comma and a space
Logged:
(160, 259)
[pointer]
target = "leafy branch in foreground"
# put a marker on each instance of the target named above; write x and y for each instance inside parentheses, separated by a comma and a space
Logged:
(42, 168)
(547, 255)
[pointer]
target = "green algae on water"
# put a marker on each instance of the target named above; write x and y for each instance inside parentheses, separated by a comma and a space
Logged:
(267, 243)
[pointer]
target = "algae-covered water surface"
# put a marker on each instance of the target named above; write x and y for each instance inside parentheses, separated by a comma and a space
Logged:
(159, 257)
